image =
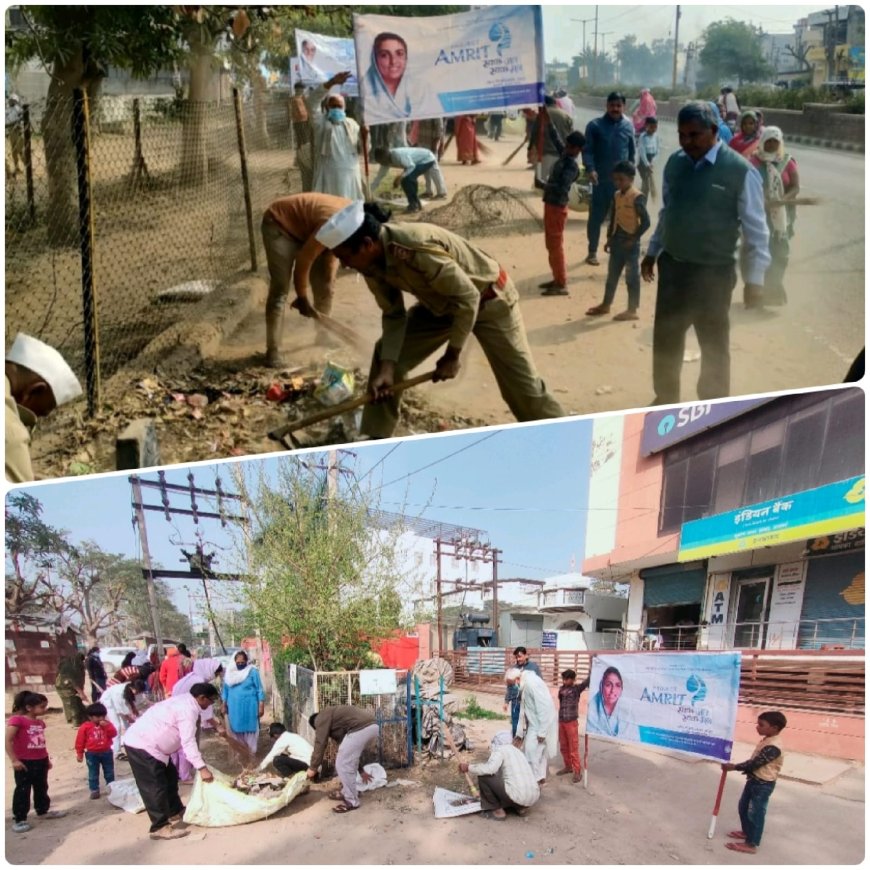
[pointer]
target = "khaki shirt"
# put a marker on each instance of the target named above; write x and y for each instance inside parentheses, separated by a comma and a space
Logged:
(19, 422)
(444, 272)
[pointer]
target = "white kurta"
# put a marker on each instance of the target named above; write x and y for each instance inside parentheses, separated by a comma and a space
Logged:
(336, 158)
(538, 719)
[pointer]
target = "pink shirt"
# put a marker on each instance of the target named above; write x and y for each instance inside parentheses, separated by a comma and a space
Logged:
(165, 728)
(29, 741)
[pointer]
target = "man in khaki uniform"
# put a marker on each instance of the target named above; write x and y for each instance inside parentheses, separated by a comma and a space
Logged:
(38, 380)
(289, 228)
(459, 290)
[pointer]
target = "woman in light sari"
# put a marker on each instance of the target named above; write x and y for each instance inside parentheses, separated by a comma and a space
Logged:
(388, 90)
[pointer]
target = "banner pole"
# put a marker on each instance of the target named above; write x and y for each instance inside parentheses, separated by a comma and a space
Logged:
(712, 829)
(585, 761)
(365, 143)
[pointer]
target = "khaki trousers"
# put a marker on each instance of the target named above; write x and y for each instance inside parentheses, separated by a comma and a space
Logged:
(500, 331)
(281, 253)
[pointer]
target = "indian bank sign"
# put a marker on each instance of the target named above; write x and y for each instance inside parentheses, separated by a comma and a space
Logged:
(663, 429)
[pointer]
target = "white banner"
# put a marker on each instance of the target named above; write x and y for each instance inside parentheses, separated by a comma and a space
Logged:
(786, 602)
(413, 68)
(681, 701)
(321, 57)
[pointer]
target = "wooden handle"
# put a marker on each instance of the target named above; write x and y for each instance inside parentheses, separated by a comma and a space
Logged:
(343, 407)
(452, 743)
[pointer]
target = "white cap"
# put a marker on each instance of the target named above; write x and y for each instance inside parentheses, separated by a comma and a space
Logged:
(341, 226)
(44, 360)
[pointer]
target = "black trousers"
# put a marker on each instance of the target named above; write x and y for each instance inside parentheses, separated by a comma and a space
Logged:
(492, 793)
(691, 294)
(158, 785)
(287, 766)
(34, 777)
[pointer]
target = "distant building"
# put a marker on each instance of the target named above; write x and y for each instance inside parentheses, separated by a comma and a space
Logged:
(833, 43)
(557, 75)
(739, 524)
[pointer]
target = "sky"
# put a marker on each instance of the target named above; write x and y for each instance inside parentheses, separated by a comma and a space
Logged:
(563, 36)
(524, 485)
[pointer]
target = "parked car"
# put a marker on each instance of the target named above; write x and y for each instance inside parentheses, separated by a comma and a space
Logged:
(113, 656)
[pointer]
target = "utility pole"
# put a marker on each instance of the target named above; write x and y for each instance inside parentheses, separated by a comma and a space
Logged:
(595, 54)
(676, 47)
(585, 49)
(495, 591)
(146, 558)
(604, 41)
(438, 588)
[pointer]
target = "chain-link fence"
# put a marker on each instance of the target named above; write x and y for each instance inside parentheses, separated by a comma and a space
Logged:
(120, 211)
(306, 692)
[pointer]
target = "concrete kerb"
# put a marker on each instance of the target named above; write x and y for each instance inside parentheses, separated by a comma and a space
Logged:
(187, 343)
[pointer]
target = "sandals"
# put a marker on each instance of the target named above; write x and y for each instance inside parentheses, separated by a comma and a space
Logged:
(598, 310)
(592, 260)
(343, 808)
(741, 847)
(490, 815)
(737, 835)
(627, 315)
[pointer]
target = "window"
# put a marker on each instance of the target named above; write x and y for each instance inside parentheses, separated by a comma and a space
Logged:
(803, 449)
(731, 474)
(843, 456)
(765, 458)
(788, 446)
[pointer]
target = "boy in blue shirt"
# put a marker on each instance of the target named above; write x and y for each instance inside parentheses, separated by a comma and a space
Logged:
(647, 151)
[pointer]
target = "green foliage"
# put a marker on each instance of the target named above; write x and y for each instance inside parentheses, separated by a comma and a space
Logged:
(791, 98)
(473, 710)
(732, 50)
(141, 39)
(322, 581)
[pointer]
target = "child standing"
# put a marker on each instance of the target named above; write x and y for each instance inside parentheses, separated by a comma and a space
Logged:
(94, 744)
(564, 173)
(569, 700)
(628, 222)
(761, 772)
(647, 151)
(25, 748)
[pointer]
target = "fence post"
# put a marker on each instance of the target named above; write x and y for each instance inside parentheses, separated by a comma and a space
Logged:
(81, 138)
(419, 709)
(28, 162)
(249, 214)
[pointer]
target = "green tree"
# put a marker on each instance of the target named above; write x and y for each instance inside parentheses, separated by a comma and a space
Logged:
(732, 50)
(323, 581)
(32, 547)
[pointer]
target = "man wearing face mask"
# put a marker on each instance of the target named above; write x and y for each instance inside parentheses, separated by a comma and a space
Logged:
(38, 380)
(337, 148)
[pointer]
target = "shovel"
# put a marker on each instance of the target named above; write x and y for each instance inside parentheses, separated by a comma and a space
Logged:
(287, 430)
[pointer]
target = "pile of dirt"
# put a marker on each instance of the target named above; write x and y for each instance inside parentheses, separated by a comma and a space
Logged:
(213, 412)
(481, 210)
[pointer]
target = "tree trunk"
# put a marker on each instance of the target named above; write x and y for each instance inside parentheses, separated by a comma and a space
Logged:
(194, 156)
(62, 215)
(260, 132)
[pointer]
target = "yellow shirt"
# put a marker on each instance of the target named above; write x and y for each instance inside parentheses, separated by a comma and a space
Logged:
(769, 772)
(625, 214)
(19, 422)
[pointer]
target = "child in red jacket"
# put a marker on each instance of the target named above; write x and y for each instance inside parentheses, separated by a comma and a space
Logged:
(94, 744)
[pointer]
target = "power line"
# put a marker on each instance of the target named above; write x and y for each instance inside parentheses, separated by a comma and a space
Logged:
(438, 461)
(381, 461)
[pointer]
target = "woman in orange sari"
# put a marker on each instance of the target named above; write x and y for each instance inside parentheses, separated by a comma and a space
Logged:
(466, 140)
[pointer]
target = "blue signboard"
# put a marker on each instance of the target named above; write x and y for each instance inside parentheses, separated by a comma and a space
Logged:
(663, 428)
(814, 512)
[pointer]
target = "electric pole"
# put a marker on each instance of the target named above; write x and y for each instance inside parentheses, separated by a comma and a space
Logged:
(146, 558)
(585, 50)
(604, 42)
(595, 52)
(438, 590)
(676, 46)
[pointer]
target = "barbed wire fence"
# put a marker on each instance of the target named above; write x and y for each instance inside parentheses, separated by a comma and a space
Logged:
(121, 210)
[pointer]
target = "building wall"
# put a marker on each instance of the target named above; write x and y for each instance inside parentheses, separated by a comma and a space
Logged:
(637, 509)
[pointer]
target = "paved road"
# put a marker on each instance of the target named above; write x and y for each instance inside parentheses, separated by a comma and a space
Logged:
(825, 280)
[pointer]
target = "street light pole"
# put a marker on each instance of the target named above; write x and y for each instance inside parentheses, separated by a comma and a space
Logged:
(584, 22)
(595, 62)
(676, 48)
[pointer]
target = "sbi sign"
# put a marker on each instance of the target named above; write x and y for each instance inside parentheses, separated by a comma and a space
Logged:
(661, 429)
(682, 418)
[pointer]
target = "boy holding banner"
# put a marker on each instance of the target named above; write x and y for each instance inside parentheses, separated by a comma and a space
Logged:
(761, 771)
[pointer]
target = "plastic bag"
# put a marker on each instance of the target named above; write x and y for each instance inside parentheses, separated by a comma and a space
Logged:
(449, 804)
(124, 794)
(217, 804)
(378, 775)
(336, 385)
